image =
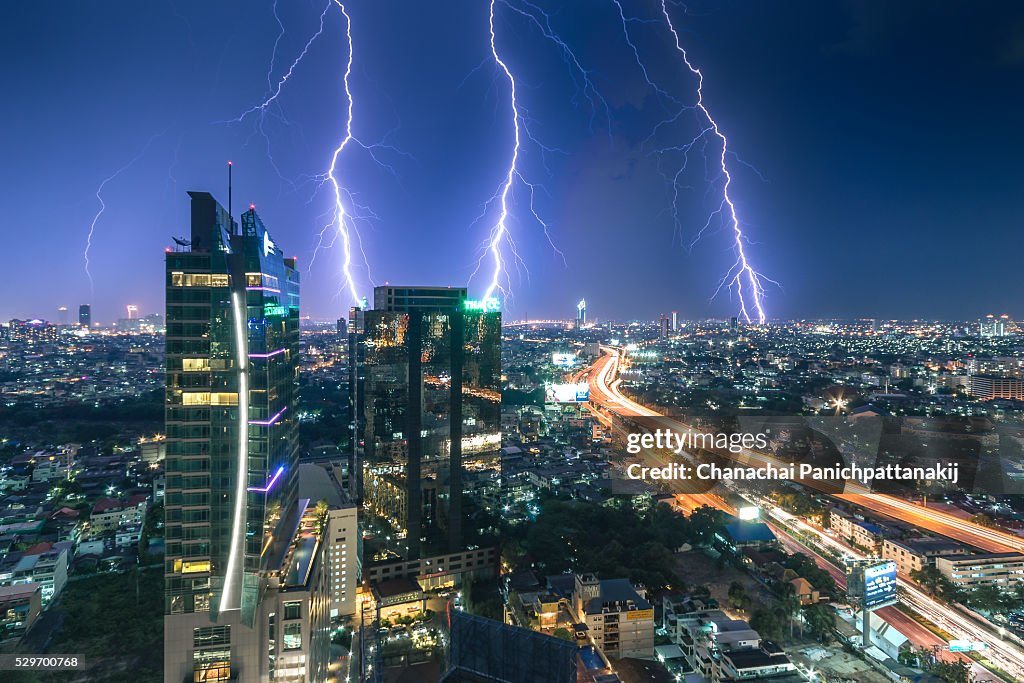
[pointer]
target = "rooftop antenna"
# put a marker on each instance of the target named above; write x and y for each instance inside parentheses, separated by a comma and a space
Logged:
(229, 196)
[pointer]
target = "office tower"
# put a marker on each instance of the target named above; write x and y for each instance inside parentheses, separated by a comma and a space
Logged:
(581, 314)
(663, 326)
(62, 315)
(675, 321)
(425, 368)
(85, 315)
(244, 568)
(992, 326)
(342, 327)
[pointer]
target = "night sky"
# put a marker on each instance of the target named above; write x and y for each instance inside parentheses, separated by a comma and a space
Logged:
(889, 137)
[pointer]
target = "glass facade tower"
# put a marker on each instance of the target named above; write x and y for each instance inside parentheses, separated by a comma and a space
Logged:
(232, 303)
(426, 400)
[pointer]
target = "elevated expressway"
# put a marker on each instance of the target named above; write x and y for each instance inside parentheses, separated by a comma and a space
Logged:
(608, 402)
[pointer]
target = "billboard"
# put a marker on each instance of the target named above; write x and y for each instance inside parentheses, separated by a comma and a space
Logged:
(749, 513)
(966, 646)
(563, 360)
(567, 393)
(879, 585)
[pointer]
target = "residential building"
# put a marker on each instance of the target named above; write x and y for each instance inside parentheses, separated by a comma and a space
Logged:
(247, 578)
(19, 607)
(109, 514)
(619, 620)
(915, 554)
(1004, 570)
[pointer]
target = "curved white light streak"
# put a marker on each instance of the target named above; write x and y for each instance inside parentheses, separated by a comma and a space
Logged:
(238, 518)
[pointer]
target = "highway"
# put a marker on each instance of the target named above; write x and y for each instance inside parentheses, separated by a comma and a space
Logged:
(604, 393)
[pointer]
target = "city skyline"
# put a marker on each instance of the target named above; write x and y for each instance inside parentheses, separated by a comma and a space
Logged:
(886, 152)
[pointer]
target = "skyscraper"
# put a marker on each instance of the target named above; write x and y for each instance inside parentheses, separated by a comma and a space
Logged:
(85, 315)
(581, 314)
(239, 539)
(426, 396)
(675, 321)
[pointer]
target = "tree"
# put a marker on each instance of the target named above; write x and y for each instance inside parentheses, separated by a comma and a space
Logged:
(705, 521)
(767, 624)
(738, 597)
(981, 519)
(563, 633)
(934, 582)
(789, 606)
(986, 598)
(952, 672)
(820, 622)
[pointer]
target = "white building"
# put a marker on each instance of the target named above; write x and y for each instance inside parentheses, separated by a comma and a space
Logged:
(1004, 570)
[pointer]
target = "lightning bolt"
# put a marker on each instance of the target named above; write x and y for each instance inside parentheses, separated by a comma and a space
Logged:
(499, 235)
(103, 208)
(741, 277)
(345, 212)
(342, 217)
(269, 104)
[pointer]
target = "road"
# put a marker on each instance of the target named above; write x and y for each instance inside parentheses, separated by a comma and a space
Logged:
(605, 393)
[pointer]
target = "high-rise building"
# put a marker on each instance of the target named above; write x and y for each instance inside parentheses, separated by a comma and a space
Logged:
(85, 315)
(675, 321)
(581, 314)
(992, 326)
(425, 387)
(244, 570)
(663, 323)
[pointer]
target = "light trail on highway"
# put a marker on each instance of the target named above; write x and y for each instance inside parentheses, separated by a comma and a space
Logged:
(1007, 655)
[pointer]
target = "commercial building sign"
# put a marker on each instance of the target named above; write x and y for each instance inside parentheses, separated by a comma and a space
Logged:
(567, 393)
(637, 615)
(489, 305)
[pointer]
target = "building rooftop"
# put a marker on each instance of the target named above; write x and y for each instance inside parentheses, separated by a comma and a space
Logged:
(617, 592)
(18, 590)
(749, 532)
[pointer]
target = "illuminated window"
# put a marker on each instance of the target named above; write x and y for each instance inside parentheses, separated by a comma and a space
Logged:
(206, 398)
(218, 280)
(190, 279)
(253, 279)
(293, 636)
(202, 602)
(195, 364)
(195, 567)
(195, 398)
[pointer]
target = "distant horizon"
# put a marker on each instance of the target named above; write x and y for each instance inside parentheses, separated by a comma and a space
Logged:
(100, 324)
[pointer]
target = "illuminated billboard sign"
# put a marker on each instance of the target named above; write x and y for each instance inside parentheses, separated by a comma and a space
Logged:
(489, 305)
(966, 646)
(563, 360)
(749, 513)
(567, 393)
(879, 585)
